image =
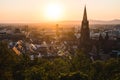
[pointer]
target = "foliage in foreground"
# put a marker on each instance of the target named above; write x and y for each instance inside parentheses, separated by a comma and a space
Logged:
(80, 67)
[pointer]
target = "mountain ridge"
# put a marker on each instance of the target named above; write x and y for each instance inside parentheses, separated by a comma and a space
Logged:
(114, 21)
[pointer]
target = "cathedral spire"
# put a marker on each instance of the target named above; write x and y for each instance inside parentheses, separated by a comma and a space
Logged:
(85, 14)
(85, 31)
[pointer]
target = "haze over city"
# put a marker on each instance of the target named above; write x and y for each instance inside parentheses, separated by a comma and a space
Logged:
(30, 11)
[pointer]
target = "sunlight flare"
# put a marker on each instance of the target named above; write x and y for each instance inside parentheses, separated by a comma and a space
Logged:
(53, 11)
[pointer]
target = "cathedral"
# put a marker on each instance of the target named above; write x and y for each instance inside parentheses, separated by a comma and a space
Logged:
(96, 47)
(85, 42)
(85, 33)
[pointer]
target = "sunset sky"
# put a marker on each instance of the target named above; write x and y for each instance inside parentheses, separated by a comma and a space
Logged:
(43, 10)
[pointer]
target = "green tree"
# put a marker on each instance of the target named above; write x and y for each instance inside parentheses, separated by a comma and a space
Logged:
(7, 60)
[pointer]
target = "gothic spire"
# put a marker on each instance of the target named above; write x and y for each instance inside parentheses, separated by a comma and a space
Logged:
(85, 31)
(85, 14)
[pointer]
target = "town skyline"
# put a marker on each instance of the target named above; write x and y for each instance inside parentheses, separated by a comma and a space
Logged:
(58, 50)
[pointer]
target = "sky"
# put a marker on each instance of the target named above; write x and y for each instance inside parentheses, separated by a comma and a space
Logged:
(35, 10)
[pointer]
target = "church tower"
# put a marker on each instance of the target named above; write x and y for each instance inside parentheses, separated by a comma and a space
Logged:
(85, 32)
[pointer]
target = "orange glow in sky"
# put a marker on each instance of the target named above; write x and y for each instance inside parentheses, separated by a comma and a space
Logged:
(51, 10)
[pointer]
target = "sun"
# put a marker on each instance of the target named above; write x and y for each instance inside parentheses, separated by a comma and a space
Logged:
(53, 11)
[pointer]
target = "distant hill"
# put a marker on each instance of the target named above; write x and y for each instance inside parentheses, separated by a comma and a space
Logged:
(67, 23)
(116, 21)
(77, 22)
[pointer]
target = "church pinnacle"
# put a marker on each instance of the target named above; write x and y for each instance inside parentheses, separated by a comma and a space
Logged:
(85, 32)
(85, 14)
